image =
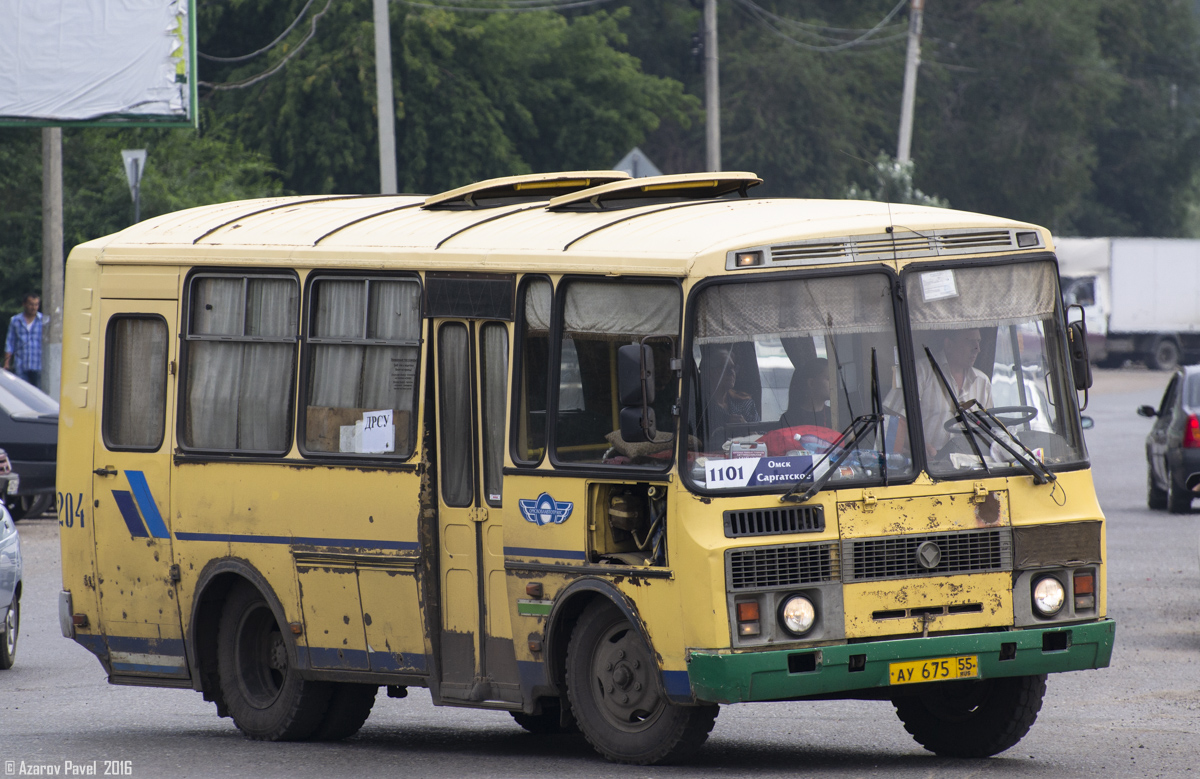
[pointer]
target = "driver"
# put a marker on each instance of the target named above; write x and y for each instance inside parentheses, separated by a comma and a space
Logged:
(957, 354)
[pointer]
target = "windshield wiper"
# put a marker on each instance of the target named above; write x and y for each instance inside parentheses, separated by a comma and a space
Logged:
(982, 422)
(853, 432)
(877, 408)
(960, 412)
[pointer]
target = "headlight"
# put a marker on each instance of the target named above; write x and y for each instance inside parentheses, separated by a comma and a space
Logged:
(798, 614)
(1048, 596)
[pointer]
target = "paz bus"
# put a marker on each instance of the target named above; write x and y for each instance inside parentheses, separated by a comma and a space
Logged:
(549, 445)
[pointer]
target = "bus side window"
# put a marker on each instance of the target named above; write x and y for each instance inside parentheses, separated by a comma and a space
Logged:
(364, 340)
(135, 390)
(599, 317)
(533, 339)
(241, 363)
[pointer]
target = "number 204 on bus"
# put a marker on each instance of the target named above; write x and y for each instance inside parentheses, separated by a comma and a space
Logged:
(602, 453)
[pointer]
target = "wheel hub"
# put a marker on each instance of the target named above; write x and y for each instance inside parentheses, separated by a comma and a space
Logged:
(627, 694)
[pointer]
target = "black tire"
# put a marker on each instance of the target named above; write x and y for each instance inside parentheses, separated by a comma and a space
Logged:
(1155, 498)
(263, 691)
(616, 697)
(22, 506)
(549, 722)
(1179, 500)
(1164, 355)
(349, 706)
(9, 630)
(972, 719)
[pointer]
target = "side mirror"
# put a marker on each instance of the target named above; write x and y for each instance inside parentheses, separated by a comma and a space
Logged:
(1086, 422)
(635, 390)
(1147, 411)
(1077, 344)
(1193, 483)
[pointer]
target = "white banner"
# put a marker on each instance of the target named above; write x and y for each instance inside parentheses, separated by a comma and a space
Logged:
(79, 60)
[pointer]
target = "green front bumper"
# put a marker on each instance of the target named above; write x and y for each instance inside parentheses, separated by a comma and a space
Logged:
(765, 676)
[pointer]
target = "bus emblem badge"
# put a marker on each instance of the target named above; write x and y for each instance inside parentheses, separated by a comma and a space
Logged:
(545, 510)
(929, 555)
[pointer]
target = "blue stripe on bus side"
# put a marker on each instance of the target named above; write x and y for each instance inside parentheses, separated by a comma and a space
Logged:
(146, 646)
(559, 554)
(145, 501)
(229, 538)
(130, 513)
(678, 686)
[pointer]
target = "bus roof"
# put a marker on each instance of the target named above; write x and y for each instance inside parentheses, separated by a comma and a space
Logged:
(674, 236)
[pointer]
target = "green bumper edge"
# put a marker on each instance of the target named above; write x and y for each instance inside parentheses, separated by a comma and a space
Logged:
(726, 677)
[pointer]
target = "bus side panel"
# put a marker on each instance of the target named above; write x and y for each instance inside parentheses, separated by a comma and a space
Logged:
(76, 436)
(337, 546)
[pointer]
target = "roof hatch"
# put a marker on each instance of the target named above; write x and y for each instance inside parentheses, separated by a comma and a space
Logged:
(656, 189)
(513, 190)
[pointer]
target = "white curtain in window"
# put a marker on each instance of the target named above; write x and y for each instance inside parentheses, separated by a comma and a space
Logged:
(267, 369)
(336, 369)
(136, 395)
(389, 372)
(983, 296)
(621, 311)
(495, 386)
(214, 368)
(455, 380)
(539, 298)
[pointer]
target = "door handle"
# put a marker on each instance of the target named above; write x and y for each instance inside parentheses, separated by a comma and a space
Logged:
(109, 471)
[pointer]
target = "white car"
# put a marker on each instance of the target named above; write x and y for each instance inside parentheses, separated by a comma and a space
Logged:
(10, 588)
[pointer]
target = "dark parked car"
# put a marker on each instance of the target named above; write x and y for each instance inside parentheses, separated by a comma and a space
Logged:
(10, 590)
(1173, 445)
(29, 433)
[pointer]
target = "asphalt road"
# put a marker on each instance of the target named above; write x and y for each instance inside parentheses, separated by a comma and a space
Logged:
(1140, 717)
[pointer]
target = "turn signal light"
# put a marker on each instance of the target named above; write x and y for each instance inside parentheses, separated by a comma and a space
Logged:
(1191, 433)
(1085, 590)
(79, 620)
(747, 617)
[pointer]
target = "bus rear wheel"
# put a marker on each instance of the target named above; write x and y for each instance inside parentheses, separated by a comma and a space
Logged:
(616, 697)
(263, 690)
(972, 719)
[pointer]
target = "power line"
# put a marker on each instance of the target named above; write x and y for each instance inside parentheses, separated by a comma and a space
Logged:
(278, 66)
(266, 48)
(867, 38)
(511, 6)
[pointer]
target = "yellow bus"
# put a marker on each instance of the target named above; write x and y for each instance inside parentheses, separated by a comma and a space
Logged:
(604, 453)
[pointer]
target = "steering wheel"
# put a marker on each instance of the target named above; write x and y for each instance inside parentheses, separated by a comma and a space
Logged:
(1006, 415)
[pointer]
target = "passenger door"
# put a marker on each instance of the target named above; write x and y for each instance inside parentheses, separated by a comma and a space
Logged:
(477, 658)
(1160, 431)
(139, 607)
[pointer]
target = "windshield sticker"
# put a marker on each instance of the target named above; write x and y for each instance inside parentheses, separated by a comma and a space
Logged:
(760, 472)
(545, 510)
(938, 285)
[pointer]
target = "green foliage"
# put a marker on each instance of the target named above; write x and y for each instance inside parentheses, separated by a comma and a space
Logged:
(894, 184)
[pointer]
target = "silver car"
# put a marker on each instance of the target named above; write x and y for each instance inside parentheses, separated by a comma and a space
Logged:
(10, 588)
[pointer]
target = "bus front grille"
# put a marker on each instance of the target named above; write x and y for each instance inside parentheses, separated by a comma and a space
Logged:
(774, 521)
(935, 554)
(763, 567)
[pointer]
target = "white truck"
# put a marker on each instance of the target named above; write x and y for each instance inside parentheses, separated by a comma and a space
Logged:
(1140, 297)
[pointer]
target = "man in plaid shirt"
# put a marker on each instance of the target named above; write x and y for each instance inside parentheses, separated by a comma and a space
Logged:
(25, 341)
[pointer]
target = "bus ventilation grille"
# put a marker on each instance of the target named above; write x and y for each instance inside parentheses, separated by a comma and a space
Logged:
(899, 245)
(762, 567)
(896, 557)
(774, 521)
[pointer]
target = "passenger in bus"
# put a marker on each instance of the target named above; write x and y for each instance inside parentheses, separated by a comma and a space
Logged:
(808, 396)
(956, 356)
(722, 404)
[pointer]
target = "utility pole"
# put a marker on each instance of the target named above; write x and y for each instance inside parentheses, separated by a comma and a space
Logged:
(911, 62)
(52, 259)
(385, 99)
(712, 88)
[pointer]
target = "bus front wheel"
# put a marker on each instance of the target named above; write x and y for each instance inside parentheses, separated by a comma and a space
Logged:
(616, 697)
(972, 719)
(264, 692)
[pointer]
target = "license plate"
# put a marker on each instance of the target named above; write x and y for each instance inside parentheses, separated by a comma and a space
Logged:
(934, 670)
(13, 486)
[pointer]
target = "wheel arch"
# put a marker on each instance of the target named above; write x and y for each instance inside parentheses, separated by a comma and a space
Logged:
(568, 606)
(216, 581)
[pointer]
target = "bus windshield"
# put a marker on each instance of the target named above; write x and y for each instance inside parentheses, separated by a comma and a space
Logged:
(988, 336)
(788, 380)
